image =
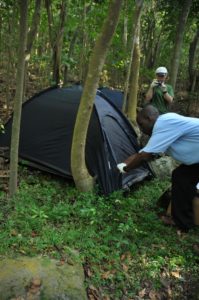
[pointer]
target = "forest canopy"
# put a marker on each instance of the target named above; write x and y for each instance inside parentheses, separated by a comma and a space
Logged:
(62, 34)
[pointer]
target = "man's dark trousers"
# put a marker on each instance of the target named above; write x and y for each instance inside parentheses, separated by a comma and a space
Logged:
(184, 180)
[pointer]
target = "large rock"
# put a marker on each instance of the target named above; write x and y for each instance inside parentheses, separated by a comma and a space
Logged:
(41, 279)
(162, 167)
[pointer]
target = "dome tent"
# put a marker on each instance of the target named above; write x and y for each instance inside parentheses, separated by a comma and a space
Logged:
(47, 124)
(113, 95)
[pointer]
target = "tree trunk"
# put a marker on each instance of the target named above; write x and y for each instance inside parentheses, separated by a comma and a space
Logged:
(58, 44)
(56, 38)
(193, 50)
(149, 43)
(135, 22)
(125, 30)
(133, 91)
(82, 178)
(70, 52)
(152, 38)
(50, 20)
(82, 68)
(31, 37)
(34, 25)
(23, 6)
(9, 59)
(156, 51)
(175, 61)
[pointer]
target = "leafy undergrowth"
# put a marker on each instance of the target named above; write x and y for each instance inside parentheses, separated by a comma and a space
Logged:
(126, 251)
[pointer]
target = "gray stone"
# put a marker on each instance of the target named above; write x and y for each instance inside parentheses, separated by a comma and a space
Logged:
(163, 166)
(41, 278)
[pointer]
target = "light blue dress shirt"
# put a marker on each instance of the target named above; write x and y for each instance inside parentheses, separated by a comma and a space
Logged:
(177, 136)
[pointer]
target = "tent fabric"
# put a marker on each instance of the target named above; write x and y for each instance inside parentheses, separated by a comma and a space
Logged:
(116, 97)
(47, 125)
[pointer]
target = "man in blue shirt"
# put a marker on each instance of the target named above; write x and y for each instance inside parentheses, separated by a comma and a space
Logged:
(177, 136)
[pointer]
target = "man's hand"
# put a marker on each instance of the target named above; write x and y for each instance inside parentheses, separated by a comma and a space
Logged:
(121, 167)
(154, 83)
(164, 87)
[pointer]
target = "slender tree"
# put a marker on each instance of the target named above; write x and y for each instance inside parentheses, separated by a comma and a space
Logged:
(31, 36)
(23, 7)
(194, 61)
(9, 45)
(135, 22)
(70, 53)
(151, 34)
(125, 26)
(56, 36)
(175, 61)
(82, 178)
(133, 90)
(82, 67)
(34, 25)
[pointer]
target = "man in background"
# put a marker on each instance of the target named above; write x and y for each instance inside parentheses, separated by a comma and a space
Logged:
(160, 94)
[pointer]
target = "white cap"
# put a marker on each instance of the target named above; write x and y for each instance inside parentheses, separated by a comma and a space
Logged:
(161, 70)
(197, 186)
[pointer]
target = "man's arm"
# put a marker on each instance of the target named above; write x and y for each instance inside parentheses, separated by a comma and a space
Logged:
(167, 96)
(134, 161)
(149, 94)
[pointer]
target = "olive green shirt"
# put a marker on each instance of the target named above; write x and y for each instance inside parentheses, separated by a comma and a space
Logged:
(158, 98)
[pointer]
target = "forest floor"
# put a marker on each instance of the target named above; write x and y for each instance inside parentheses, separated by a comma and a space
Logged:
(127, 253)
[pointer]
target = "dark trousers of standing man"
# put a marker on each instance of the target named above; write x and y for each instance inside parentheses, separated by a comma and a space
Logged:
(184, 180)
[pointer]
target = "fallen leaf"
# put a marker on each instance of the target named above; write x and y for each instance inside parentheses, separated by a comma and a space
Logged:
(33, 291)
(91, 297)
(169, 293)
(125, 267)
(36, 281)
(175, 274)
(106, 275)
(106, 298)
(142, 293)
(22, 251)
(33, 234)
(87, 271)
(14, 232)
(126, 255)
(93, 293)
(153, 295)
(60, 263)
(123, 257)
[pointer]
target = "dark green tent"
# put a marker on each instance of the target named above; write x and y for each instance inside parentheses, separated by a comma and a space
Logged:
(47, 125)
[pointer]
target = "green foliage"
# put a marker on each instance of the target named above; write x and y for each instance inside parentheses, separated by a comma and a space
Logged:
(83, 24)
(119, 237)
